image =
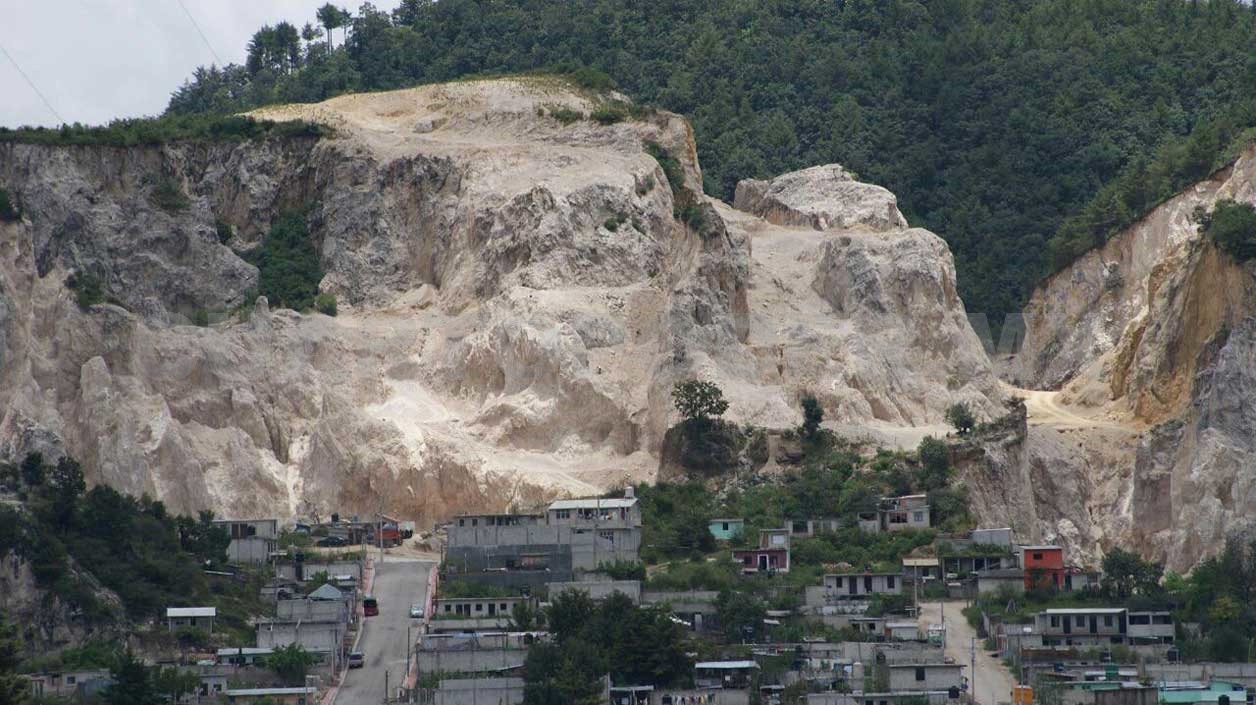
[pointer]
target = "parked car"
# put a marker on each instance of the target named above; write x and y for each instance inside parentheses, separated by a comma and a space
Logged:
(370, 606)
(330, 541)
(356, 660)
(416, 611)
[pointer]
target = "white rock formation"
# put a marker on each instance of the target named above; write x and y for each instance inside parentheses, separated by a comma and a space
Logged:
(516, 300)
(1153, 333)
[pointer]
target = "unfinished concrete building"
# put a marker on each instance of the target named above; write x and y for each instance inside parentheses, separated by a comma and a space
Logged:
(573, 535)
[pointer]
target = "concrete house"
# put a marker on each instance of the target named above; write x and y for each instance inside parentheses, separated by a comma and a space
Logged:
(925, 676)
(533, 549)
(1150, 627)
(724, 674)
(811, 527)
(726, 529)
(1082, 626)
(1043, 566)
(316, 637)
(906, 512)
(191, 618)
(863, 584)
(474, 653)
(473, 614)
(922, 569)
(772, 555)
(252, 540)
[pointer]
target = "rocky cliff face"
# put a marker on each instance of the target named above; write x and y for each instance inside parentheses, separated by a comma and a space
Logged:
(1152, 333)
(517, 299)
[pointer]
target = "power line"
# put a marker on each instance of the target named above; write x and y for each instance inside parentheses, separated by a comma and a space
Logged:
(200, 32)
(31, 83)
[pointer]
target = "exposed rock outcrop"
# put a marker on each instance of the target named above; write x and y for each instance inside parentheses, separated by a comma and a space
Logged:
(821, 197)
(1153, 333)
(517, 299)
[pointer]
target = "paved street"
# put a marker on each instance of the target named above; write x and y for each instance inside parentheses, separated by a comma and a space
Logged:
(993, 681)
(399, 582)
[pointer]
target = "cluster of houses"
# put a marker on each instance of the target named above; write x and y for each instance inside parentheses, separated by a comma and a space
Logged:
(316, 605)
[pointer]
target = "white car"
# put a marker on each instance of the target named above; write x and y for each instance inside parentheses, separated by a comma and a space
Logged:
(416, 611)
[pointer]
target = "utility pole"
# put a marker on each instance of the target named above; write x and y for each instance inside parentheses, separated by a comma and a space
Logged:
(385, 687)
(972, 678)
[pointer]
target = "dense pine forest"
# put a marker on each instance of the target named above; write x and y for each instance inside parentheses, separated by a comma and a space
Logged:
(1023, 132)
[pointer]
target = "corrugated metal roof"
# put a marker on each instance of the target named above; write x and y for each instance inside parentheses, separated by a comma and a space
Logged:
(595, 503)
(191, 611)
(725, 664)
(299, 690)
(1085, 610)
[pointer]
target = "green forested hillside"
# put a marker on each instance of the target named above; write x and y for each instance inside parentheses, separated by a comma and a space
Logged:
(993, 120)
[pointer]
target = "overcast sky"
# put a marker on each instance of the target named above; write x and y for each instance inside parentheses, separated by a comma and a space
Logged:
(95, 60)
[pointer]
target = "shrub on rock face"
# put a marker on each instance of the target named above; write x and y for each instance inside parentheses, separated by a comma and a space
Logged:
(961, 417)
(287, 264)
(87, 290)
(9, 210)
(325, 303)
(1232, 226)
(224, 231)
(168, 195)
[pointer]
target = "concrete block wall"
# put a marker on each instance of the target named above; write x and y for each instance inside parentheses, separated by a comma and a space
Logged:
(479, 691)
(313, 636)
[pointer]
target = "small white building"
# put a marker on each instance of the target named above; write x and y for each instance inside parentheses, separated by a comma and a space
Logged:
(863, 584)
(191, 618)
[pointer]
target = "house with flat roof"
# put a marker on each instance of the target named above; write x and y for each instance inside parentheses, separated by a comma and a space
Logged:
(1043, 566)
(922, 568)
(772, 555)
(908, 512)
(925, 676)
(252, 540)
(726, 529)
(1082, 626)
(863, 584)
(191, 618)
(571, 536)
(724, 674)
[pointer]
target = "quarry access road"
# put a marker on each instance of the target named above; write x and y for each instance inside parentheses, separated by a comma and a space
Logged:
(993, 681)
(400, 581)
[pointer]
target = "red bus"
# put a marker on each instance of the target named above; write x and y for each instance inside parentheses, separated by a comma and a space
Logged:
(370, 607)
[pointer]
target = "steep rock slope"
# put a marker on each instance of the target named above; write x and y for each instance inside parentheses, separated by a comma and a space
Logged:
(517, 299)
(1153, 332)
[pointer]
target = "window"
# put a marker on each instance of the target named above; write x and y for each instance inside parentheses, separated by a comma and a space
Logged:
(475, 522)
(1116, 640)
(448, 607)
(1140, 619)
(920, 673)
(462, 522)
(889, 582)
(725, 526)
(503, 607)
(69, 680)
(867, 583)
(918, 517)
(1055, 621)
(747, 559)
(837, 581)
(1107, 620)
(562, 514)
(479, 608)
(1037, 556)
(1081, 620)
(1162, 619)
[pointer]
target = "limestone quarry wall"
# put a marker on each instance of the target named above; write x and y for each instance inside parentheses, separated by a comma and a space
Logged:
(516, 301)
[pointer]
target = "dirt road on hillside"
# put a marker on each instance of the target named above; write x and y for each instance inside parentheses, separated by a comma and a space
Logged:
(993, 681)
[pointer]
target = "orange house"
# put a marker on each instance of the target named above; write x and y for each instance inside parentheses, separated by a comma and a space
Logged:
(1044, 566)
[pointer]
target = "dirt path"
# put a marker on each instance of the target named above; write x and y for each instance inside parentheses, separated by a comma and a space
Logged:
(993, 681)
(1046, 409)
